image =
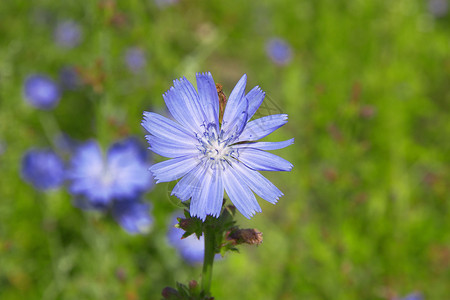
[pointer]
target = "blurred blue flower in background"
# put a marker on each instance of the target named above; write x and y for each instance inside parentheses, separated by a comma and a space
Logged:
(42, 168)
(69, 78)
(413, 296)
(135, 59)
(133, 216)
(162, 3)
(210, 158)
(438, 8)
(68, 34)
(41, 92)
(279, 51)
(122, 174)
(191, 248)
(2, 147)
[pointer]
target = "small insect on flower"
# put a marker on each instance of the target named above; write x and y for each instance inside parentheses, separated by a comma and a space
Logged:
(210, 156)
(44, 169)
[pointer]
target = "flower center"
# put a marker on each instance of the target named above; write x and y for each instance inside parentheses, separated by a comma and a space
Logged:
(213, 147)
(216, 150)
(107, 178)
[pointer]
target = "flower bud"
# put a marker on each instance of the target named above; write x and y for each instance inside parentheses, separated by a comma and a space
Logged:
(169, 293)
(193, 284)
(184, 223)
(246, 236)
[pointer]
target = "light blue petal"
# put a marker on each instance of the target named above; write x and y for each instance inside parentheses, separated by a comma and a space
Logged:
(255, 97)
(87, 161)
(209, 99)
(173, 169)
(127, 170)
(85, 173)
(236, 105)
(190, 183)
(208, 200)
(216, 192)
(133, 216)
(165, 128)
(190, 96)
(183, 103)
(198, 199)
(265, 145)
(262, 127)
(260, 160)
(238, 192)
(258, 183)
(234, 129)
(170, 149)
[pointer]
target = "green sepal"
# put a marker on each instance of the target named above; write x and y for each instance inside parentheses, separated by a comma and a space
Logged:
(191, 291)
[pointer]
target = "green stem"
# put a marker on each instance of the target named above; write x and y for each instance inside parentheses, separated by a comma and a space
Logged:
(210, 242)
(50, 126)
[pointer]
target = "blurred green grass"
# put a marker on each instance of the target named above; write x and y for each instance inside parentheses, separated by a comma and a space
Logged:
(366, 208)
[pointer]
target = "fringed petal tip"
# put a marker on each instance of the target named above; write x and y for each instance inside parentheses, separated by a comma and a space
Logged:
(200, 216)
(257, 89)
(154, 175)
(256, 94)
(251, 214)
(203, 74)
(214, 215)
(145, 119)
(178, 80)
(166, 93)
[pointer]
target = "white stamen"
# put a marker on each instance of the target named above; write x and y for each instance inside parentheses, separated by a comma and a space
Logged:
(212, 147)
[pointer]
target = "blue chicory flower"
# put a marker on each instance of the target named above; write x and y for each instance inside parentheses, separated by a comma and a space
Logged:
(121, 175)
(68, 34)
(135, 59)
(41, 92)
(210, 157)
(133, 216)
(279, 51)
(42, 168)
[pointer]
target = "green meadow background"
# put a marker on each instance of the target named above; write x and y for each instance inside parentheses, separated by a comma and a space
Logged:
(366, 211)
